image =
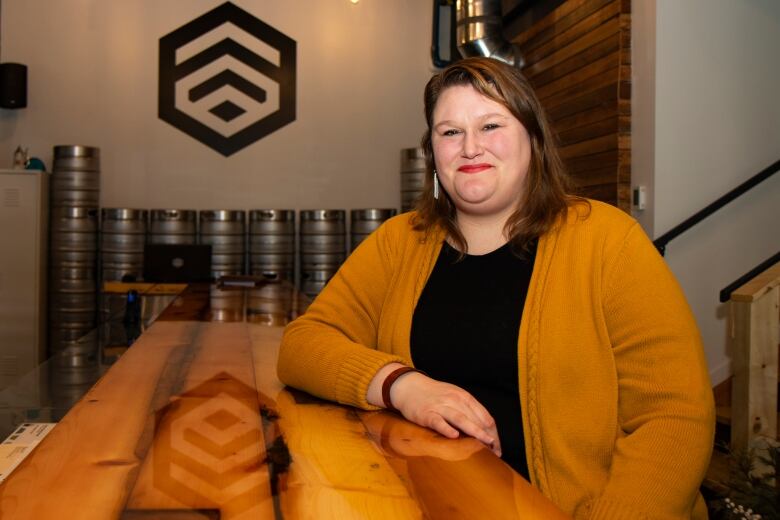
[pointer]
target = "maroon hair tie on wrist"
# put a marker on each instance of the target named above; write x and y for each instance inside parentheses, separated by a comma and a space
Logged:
(388, 383)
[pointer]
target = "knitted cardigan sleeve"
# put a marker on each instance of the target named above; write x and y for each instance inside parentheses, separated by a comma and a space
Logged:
(331, 351)
(666, 412)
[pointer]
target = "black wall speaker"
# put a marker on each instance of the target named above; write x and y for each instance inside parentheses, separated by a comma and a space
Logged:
(13, 85)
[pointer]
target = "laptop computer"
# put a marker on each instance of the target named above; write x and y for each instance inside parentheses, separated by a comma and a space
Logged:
(177, 263)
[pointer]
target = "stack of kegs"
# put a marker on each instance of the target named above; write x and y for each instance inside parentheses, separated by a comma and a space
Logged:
(412, 176)
(173, 226)
(323, 247)
(366, 221)
(224, 231)
(75, 192)
(272, 243)
(122, 239)
(72, 297)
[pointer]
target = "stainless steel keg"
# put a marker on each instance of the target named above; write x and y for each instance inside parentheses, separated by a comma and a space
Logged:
(75, 180)
(172, 226)
(277, 222)
(412, 159)
(76, 157)
(323, 244)
(73, 237)
(122, 239)
(224, 230)
(412, 182)
(72, 303)
(363, 222)
(274, 266)
(60, 338)
(75, 198)
(79, 180)
(323, 222)
(323, 236)
(412, 176)
(272, 243)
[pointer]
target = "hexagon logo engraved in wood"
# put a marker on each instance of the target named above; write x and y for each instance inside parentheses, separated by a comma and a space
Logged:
(208, 451)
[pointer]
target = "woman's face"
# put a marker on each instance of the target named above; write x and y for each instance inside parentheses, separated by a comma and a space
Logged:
(481, 150)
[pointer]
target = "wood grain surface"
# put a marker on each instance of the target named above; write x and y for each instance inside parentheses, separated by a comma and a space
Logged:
(191, 422)
(578, 58)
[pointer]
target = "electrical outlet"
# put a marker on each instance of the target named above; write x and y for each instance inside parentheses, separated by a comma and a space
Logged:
(639, 198)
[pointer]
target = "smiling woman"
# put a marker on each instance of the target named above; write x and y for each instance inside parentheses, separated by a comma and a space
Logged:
(478, 160)
(493, 99)
(547, 325)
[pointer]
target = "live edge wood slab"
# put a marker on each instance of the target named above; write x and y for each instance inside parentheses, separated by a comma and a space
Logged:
(192, 423)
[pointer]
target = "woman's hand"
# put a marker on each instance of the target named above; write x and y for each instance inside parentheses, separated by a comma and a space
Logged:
(442, 407)
(397, 437)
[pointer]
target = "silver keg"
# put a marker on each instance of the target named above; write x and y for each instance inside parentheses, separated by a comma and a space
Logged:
(224, 230)
(323, 245)
(75, 189)
(72, 295)
(73, 237)
(323, 232)
(75, 180)
(122, 239)
(62, 338)
(73, 311)
(272, 243)
(323, 238)
(72, 307)
(72, 303)
(172, 226)
(412, 176)
(72, 279)
(363, 222)
(77, 157)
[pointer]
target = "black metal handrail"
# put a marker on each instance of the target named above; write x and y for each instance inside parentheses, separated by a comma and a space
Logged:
(661, 242)
(725, 293)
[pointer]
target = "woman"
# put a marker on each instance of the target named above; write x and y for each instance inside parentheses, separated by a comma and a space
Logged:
(545, 325)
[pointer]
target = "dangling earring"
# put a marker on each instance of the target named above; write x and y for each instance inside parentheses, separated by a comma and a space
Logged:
(435, 185)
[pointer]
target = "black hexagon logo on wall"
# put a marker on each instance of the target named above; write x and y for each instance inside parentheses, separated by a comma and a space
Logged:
(209, 81)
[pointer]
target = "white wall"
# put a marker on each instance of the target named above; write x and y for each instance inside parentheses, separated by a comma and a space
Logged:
(93, 80)
(705, 100)
(715, 123)
(643, 33)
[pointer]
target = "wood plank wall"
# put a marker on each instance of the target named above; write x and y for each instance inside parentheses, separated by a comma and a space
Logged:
(579, 60)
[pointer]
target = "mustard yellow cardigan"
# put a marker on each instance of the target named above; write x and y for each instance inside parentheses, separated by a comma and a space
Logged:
(617, 406)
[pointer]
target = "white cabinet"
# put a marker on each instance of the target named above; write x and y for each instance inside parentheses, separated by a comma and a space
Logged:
(24, 199)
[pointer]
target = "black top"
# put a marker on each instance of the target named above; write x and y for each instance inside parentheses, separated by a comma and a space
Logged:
(465, 329)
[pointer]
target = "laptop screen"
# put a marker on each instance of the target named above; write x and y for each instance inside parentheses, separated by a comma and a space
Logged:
(176, 263)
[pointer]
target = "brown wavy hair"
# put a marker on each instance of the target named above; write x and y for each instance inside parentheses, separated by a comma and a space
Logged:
(546, 194)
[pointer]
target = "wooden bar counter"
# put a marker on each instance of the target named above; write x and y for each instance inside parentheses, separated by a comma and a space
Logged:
(191, 422)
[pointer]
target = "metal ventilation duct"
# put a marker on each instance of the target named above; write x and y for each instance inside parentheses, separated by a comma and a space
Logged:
(479, 32)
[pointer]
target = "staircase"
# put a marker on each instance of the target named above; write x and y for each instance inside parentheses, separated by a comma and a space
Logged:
(747, 403)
